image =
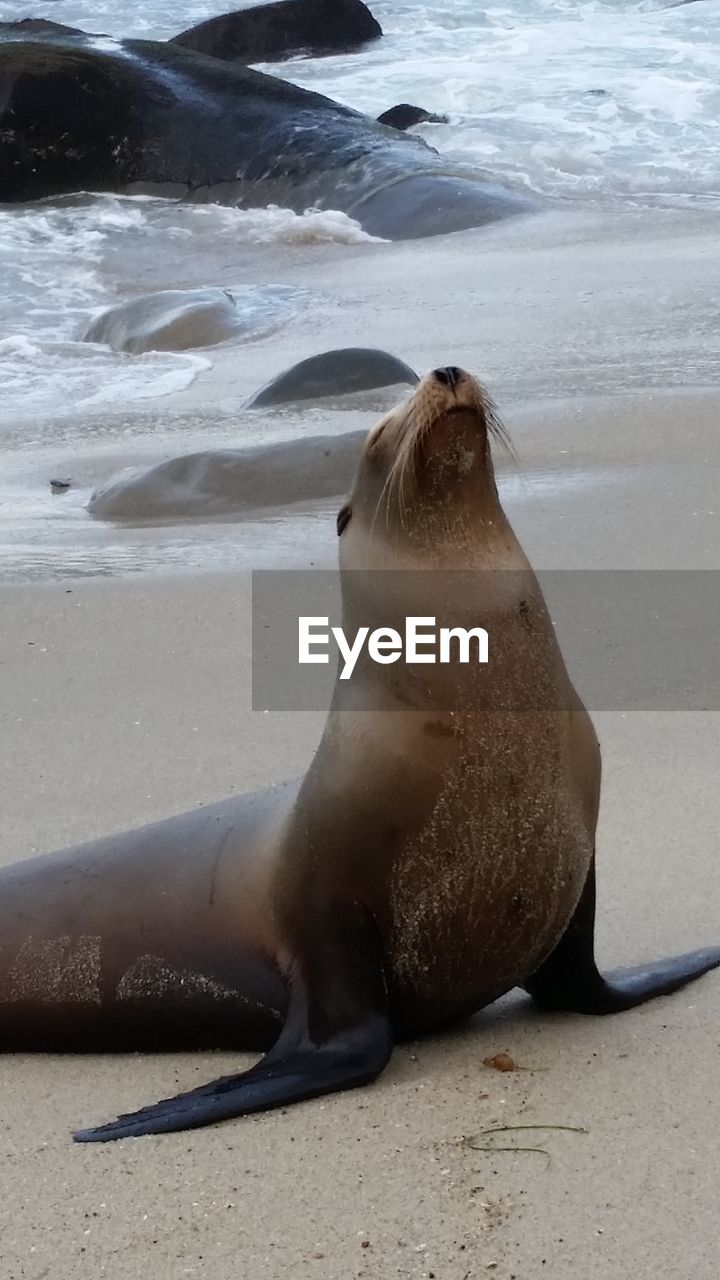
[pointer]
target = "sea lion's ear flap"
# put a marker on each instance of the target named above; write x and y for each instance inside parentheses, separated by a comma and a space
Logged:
(343, 518)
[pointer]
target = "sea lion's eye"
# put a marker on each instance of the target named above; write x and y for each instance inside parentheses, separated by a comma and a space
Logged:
(343, 517)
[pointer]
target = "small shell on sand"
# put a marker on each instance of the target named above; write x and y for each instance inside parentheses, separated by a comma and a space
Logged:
(501, 1062)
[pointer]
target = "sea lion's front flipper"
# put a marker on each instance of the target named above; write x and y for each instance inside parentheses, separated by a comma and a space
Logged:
(570, 980)
(337, 1035)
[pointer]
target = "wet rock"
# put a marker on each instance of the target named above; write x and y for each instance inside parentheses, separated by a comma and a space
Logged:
(404, 116)
(267, 32)
(171, 320)
(28, 28)
(222, 482)
(337, 372)
(142, 116)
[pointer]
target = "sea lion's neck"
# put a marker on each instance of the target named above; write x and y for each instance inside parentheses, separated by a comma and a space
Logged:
(474, 534)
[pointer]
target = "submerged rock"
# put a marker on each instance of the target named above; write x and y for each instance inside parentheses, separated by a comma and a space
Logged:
(267, 32)
(404, 116)
(337, 372)
(217, 483)
(139, 116)
(172, 320)
(223, 482)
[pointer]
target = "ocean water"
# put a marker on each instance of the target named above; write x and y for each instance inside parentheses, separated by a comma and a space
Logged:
(595, 106)
(575, 98)
(602, 101)
(63, 262)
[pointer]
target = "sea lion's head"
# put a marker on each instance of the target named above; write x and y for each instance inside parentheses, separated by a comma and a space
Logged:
(425, 477)
(422, 525)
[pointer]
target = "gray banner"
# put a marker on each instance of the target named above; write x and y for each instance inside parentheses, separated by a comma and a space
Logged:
(631, 640)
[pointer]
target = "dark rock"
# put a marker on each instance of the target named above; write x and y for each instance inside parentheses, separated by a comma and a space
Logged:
(71, 120)
(27, 28)
(337, 372)
(154, 118)
(268, 32)
(404, 116)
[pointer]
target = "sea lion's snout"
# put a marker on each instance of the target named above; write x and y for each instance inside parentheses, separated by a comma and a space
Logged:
(446, 390)
(440, 392)
(426, 468)
(449, 375)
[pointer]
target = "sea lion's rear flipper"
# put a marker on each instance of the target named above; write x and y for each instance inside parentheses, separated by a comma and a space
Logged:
(337, 1035)
(570, 980)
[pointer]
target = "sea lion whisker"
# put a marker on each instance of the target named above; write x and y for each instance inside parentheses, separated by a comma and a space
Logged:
(407, 460)
(383, 493)
(391, 481)
(497, 429)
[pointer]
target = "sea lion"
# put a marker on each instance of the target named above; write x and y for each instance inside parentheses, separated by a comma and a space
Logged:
(438, 852)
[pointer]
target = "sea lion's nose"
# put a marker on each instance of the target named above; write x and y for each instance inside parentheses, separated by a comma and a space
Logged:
(450, 375)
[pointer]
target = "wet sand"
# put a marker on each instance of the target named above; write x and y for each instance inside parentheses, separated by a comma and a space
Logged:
(565, 305)
(126, 699)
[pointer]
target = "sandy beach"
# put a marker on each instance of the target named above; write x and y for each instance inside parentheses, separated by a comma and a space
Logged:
(126, 700)
(116, 710)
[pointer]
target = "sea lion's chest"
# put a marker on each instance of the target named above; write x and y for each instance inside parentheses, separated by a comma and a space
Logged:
(481, 895)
